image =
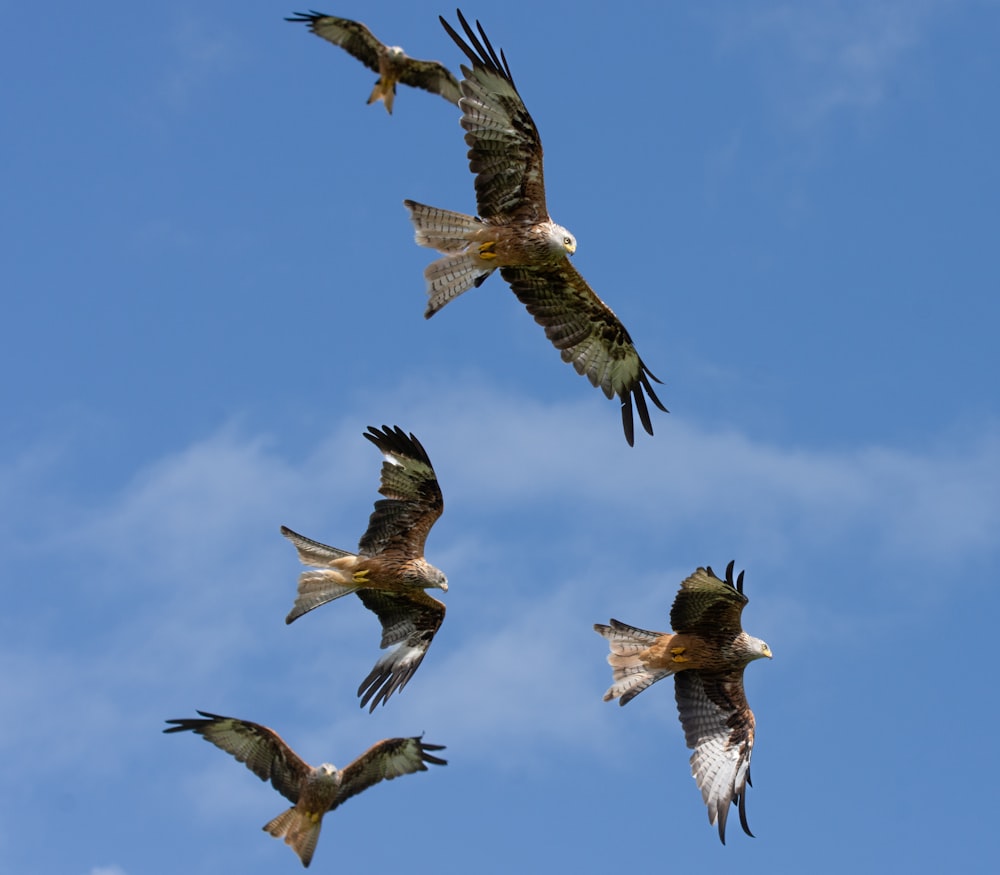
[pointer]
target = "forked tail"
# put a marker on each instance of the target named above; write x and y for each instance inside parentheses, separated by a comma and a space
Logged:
(453, 234)
(630, 671)
(299, 830)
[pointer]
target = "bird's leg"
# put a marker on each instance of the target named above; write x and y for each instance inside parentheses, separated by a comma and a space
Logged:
(678, 654)
(361, 577)
(487, 249)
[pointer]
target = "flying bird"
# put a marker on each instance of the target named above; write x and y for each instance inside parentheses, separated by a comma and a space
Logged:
(390, 62)
(312, 790)
(706, 653)
(513, 233)
(389, 573)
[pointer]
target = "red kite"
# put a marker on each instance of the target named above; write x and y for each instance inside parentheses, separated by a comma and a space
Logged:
(513, 233)
(706, 653)
(312, 790)
(389, 572)
(390, 62)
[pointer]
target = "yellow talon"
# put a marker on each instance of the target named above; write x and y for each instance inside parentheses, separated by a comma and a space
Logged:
(361, 576)
(677, 653)
(486, 250)
(314, 817)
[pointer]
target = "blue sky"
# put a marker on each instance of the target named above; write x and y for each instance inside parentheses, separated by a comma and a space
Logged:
(211, 288)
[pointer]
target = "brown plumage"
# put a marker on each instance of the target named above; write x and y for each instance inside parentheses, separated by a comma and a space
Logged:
(312, 790)
(706, 654)
(390, 62)
(513, 233)
(389, 573)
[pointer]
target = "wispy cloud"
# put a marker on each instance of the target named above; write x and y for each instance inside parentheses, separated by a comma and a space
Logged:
(846, 54)
(180, 580)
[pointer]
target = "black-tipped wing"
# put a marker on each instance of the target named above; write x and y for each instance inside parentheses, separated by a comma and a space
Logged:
(352, 36)
(359, 41)
(385, 760)
(708, 606)
(410, 620)
(588, 335)
(505, 151)
(262, 750)
(413, 501)
(719, 726)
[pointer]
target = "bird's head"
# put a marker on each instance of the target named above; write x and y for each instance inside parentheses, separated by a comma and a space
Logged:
(439, 580)
(561, 241)
(395, 53)
(761, 649)
(327, 770)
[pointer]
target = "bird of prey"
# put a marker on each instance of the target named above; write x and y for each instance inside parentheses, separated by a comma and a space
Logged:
(513, 233)
(390, 62)
(312, 790)
(706, 653)
(389, 572)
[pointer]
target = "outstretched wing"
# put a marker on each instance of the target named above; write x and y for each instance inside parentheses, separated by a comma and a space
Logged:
(708, 606)
(352, 36)
(409, 619)
(400, 522)
(432, 76)
(588, 335)
(359, 41)
(719, 726)
(505, 151)
(385, 760)
(262, 750)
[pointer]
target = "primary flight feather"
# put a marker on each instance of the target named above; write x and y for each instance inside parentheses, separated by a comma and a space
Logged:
(706, 653)
(514, 234)
(388, 573)
(312, 790)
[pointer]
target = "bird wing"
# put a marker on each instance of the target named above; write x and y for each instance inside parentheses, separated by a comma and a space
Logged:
(413, 501)
(262, 750)
(409, 619)
(719, 726)
(385, 760)
(708, 606)
(431, 76)
(505, 150)
(352, 36)
(588, 335)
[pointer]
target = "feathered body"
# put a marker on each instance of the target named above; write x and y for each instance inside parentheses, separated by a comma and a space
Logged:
(514, 234)
(389, 572)
(706, 655)
(313, 790)
(391, 63)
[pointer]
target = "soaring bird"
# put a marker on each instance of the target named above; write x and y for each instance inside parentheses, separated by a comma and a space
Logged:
(706, 653)
(390, 62)
(312, 790)
(513, 233)
(389, 572)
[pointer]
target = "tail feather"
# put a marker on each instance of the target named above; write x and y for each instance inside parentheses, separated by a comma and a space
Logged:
(449, 277)
(318, 587)
(630, 672)
(299, 831)
(443, 230)
(384, 91)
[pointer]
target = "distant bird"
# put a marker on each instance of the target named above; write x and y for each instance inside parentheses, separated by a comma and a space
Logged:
(513, 232)
(389, 572)
(313, 790)
(390, 62)
(706, 653)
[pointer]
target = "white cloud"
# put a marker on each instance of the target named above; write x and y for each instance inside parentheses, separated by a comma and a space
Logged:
(179, 581)
(847, 53)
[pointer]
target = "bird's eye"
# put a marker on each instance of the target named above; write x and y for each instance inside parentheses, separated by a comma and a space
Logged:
(566, 241)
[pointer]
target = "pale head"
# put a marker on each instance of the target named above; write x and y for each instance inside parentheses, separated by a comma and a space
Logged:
(560, 240)
(758, 648)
